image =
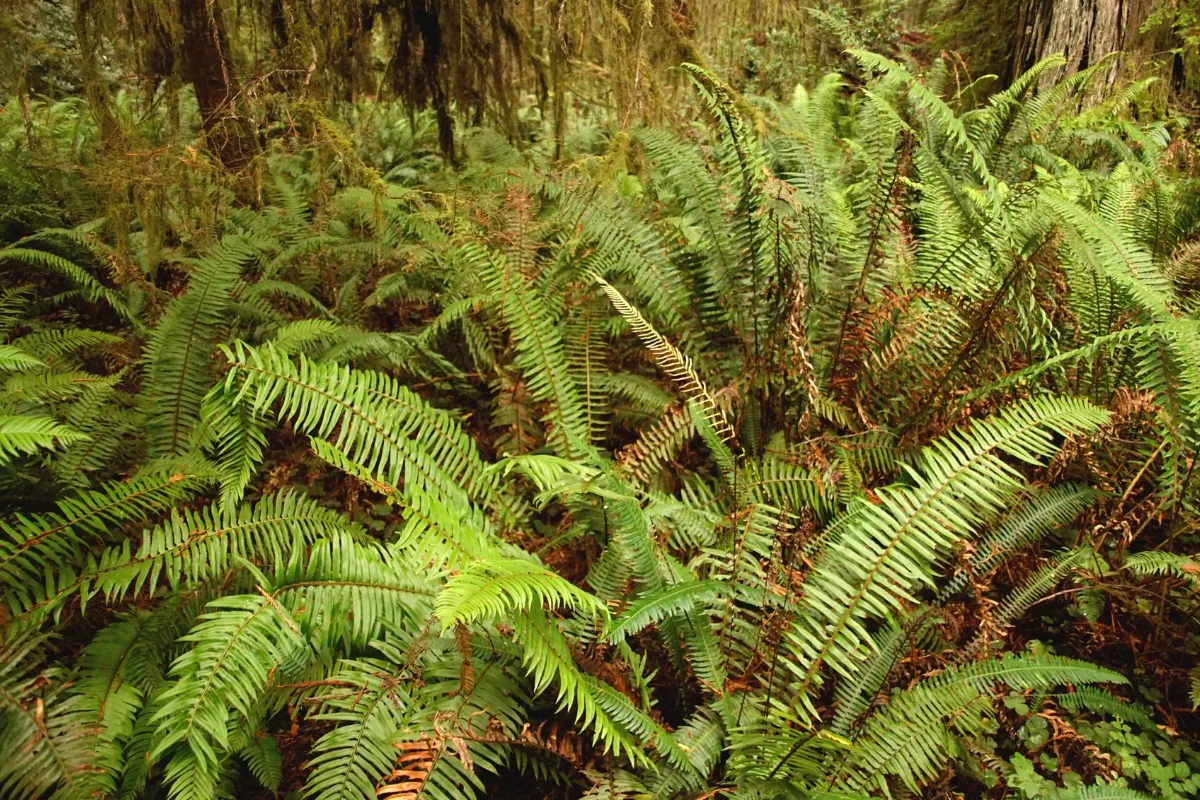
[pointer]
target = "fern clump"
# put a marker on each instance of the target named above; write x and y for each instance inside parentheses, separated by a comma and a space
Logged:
(842, 448)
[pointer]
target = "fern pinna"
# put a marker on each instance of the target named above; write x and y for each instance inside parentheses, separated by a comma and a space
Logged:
(736, 469)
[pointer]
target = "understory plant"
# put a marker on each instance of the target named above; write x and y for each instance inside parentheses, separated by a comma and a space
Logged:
(836, 448)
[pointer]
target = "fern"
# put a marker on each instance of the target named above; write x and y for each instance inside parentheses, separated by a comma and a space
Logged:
(1033, 590)
(90, 287)
(539, 355)
(909, 739)
(492, 588)
(34, 544)
(1098, 701)
(180, 348)
(1099, 793)
(47, 726)
(1158, 563)
(660, 464)
(26, 435)
(675, 599)
(890, 548)
(547, 660)
(391, 430)
(240, 642)
(677, 365)
(191, 547)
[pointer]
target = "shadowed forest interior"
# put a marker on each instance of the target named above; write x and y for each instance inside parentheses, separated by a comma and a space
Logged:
(606, 399)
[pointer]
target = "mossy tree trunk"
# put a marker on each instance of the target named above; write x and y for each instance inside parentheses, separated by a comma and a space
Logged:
(208, 66)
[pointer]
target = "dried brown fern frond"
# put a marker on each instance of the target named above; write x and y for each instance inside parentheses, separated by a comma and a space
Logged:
(561, 739)
(413, 766)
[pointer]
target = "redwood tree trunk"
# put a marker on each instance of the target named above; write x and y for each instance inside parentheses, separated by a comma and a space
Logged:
(1083, 32)
(208, 66)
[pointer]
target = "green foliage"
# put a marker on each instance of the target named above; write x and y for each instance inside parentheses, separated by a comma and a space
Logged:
(235, 648)
(178, 351)
(495, 588)
(47, 726)
(842, 450)
(908, 739)
(675, 599)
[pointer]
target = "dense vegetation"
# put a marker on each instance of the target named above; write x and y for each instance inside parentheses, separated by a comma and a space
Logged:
(832, 442)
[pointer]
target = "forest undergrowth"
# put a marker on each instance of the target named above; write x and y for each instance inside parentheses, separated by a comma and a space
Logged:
(830, 448)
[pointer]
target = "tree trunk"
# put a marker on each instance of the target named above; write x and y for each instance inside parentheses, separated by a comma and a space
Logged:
(208, 66)
(1084, 32)
(418, 69)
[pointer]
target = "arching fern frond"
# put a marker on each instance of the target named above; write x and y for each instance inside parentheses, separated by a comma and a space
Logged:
(674, 599)
(236, 649)
(911, 738)
(189, 548)
(179, 351)
(891, 548)
(673, 361)
(491, 588)
(34, 545)
(391, 431)
(26, 435)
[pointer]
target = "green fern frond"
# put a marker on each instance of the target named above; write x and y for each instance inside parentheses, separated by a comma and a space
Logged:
(855, 696)
(911, 738)
(16, 359)
(349, 591)
(265, 761)
(396, 436)
(702, 737)
(624, 245)
(91, 288)
(33, 545)
(950, 125)
(547, 659)
(1099, 701)
(540, 353)
(1032, 590)
(892, 547)
(54, 343)
(179, 350)
(675, 599)
(189, 548)
(39, 390)
(1106, 251)
(1156, 562)
(349, 760)
(45, 731)
(492, 588)
(110, 687)
(1100, 793)
(443, 535)
(295, 337)
(27, 435)
(1024, 523)
(236, 649)
(658, 445)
